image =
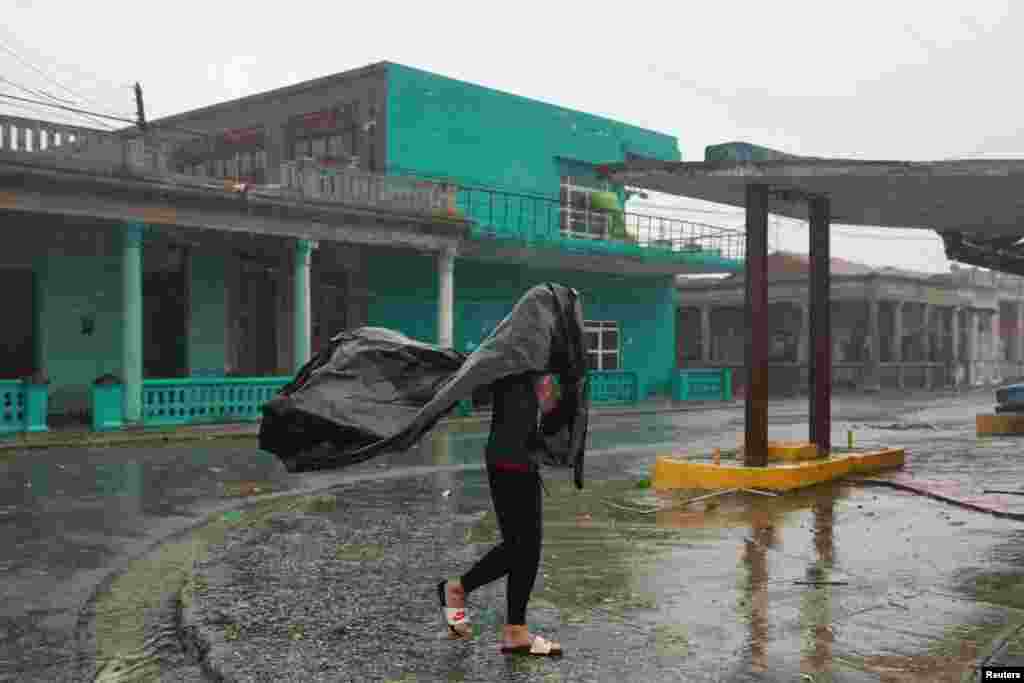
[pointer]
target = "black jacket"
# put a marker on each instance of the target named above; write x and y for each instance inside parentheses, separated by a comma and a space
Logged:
(373, 390)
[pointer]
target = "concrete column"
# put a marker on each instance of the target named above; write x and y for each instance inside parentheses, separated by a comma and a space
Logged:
(972, 347)
(954, 344)
(302, 302)
(897, 340)
(446, 298)
(873, 368)
(131, 331)
(705, 334)
(926, 342)
(996, 348)
(1018, 337)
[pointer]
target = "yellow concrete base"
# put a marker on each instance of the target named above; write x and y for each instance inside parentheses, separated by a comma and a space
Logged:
(791, 451)
(673, 473)
(1000, 424)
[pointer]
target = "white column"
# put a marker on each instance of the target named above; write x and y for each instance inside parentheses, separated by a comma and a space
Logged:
(873, 365)
(131, 339)
(446, 297)
(926, 342)
(972, 346)
(705, 333)
(954, 344)
(302, 301)
(897, 340)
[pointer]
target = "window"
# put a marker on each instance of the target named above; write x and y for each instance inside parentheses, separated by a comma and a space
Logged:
(602, 341)
(578, 218)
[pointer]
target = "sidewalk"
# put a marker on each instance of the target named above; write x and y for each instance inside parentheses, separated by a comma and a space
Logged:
(81, 435)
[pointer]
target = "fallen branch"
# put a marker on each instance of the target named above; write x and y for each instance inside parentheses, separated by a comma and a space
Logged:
(821, 583)
(629, 509)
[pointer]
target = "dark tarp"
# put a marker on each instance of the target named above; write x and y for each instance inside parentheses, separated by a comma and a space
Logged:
(374, 390)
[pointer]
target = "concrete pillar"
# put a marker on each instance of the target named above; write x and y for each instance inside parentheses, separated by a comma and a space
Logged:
(873, 368)
(1018, 337)
(926, 342)
(302, 302)
(897, 340)
(972, 347)
(446, 298)
(705, 334)
(131, 331)
(954, 345)
(996, 353)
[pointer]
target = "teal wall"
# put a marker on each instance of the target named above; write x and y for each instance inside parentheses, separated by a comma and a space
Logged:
(438, 126)
(403, 287)
(74, 359)
(208, 313)
(403, 296)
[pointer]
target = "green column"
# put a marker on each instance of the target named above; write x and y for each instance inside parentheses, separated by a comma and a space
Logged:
(302, 301)
(131, 342)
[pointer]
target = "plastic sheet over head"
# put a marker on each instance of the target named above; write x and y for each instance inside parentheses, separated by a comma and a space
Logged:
(374, 390)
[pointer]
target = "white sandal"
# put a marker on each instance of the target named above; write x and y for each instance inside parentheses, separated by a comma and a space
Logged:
(457, 618)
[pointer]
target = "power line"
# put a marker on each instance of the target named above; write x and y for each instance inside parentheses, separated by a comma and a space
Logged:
(45, 75)
(111, 117)
(43, 93)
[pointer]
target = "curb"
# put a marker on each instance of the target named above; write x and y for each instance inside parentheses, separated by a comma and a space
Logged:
(94, 439)
(1017, 516)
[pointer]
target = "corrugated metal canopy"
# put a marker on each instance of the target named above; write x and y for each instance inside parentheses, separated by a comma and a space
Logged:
(969, 196)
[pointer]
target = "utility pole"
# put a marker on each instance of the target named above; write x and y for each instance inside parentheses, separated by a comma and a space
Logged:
(140, 107)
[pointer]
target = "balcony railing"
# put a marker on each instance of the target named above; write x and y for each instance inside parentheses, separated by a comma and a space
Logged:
(543, 221)
(74, 147)
(495, 215)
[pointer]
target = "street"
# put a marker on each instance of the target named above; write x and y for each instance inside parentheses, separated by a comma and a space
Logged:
(98, 545)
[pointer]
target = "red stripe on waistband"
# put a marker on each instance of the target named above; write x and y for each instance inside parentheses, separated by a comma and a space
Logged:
(511, 466)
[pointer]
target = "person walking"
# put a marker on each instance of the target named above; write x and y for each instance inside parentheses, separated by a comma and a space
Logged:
(513, 474)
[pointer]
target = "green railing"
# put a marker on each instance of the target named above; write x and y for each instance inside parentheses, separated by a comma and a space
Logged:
(12, 406)
(613, 386)
(543, 222)
(23, 406)
(197, 400)
(700, 384)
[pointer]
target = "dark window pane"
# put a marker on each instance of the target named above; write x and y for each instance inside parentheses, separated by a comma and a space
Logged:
(591, 340)
(611, 361)
(609, 339)
(592, 361)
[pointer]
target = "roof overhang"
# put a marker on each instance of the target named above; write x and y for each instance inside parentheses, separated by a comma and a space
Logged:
(968, 196)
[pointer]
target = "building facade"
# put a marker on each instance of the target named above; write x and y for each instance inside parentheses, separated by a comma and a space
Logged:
(890, 328)
(221, 295)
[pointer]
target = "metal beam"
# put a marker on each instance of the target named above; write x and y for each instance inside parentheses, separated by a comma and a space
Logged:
(821, 332)
(756, 441)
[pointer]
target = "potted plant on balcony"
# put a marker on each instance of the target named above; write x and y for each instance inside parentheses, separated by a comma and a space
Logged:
(36, 400)
(107, 403)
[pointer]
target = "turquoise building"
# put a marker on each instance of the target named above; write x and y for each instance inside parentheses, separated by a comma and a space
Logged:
(522, 201)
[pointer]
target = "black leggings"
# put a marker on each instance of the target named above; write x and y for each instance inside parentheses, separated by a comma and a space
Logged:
(517, 504)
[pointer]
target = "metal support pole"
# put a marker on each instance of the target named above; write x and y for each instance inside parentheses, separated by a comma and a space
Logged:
(820, 343)
(756, 442)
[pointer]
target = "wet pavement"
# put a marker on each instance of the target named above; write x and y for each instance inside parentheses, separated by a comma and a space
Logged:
(920, 591)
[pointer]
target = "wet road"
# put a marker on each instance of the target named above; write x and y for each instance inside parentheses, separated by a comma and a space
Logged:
(69, 518)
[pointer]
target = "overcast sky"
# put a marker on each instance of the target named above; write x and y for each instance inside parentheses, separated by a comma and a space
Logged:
(915, 80)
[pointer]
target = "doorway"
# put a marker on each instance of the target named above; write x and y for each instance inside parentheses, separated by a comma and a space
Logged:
(165, 316)
(17, 341)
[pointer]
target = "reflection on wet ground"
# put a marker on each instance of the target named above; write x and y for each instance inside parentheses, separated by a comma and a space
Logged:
(838, 581)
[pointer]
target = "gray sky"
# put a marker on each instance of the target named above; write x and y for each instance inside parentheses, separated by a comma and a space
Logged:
(915, 80)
